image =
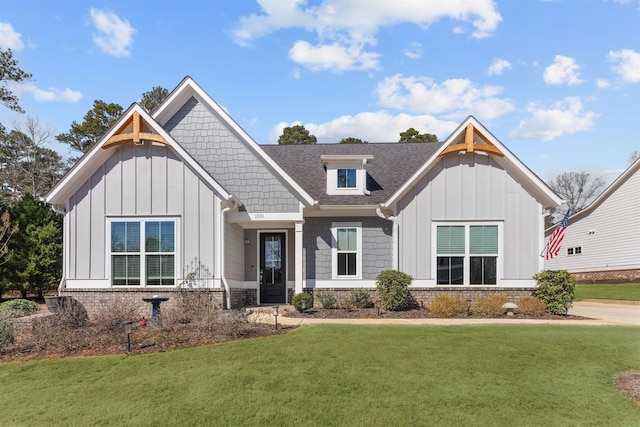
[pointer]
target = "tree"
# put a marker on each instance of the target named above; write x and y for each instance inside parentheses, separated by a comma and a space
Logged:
(35, 264)
(634, 156)
(10, 72)
(577, 188)
(96, 122)
(150, 100)
(352, 140)
(296, 135)
(26, 166)
(412, 135)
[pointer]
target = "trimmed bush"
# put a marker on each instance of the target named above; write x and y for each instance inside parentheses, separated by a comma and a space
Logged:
(444, 305)
(301, 299)
(531, 306)
(345, 302)
(491, 305)
(361, 298)
(392, 287)
(554, 287)
(327, 298)
(19, 307)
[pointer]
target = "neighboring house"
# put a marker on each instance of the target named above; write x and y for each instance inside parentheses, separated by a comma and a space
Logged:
(186, 191)
(602, 241)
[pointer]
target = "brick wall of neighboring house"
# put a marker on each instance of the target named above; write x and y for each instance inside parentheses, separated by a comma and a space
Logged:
(615, 276)
(424, 296)
(95, 300)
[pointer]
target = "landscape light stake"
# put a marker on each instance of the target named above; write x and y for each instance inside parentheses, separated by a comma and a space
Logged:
(469, 300)
(275, 314)
(128, 326)
(567, 305)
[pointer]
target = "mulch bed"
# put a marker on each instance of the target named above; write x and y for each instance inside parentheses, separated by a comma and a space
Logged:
(418, 313)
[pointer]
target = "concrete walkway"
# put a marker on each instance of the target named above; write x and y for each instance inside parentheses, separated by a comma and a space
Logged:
(598, 313)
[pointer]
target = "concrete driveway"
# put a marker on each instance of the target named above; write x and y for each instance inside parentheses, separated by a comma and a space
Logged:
(614, 313)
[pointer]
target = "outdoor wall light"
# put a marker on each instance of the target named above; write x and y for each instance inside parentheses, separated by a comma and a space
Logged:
(275, 314)
(567, 306)
(469, 300)
(128, 328)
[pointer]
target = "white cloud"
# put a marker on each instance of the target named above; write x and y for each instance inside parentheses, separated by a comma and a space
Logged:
(335, 57)
(378, 126)
(563, 118)
(414, 51)
(602, 83)
(9, 38)
(564, 70)
(454, 98)
(50, 95)
(348, 27)
(115, 36)
(498, 66)
(627, 64)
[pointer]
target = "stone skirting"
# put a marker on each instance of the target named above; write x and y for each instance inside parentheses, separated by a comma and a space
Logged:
(613, 276)
(243, 297)
(424, 296)
(94, 300)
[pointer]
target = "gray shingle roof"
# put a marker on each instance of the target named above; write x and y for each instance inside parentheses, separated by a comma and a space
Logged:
(393, 164)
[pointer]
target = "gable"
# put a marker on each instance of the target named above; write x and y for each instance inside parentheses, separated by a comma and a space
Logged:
(472, 139)
(228, 160)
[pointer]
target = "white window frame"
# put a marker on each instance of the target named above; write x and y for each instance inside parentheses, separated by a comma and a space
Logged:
(334, 249)
(467, 255)
(143, 253)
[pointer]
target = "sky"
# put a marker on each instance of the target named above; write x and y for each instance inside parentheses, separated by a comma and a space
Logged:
(556, 81)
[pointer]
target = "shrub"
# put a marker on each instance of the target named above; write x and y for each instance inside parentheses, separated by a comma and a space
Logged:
(327, 298)
(302, 301)
(19, 307)
(491, 305)
(109, 317)
(554, 287)
(531, 306)
(361, 298)
(448, 305)
(6, 330)
(345, 302)
(392, 287)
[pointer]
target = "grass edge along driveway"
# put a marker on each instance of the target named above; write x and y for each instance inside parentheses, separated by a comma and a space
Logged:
(343, 375)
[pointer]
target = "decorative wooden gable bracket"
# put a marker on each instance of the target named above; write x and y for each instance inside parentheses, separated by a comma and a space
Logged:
(469, 145)
(135, 136)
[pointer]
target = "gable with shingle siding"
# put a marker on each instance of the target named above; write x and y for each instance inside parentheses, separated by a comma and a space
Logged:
(228, 160)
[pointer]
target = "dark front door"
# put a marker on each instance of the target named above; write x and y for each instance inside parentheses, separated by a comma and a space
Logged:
(273, 276)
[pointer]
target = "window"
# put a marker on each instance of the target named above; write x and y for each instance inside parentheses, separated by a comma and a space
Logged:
(143, 252)
(467, 254)
(347, 252)
(346, 178)
(574, 251)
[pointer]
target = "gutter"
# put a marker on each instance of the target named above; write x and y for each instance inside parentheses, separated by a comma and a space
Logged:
(394, 235)
(234, 204)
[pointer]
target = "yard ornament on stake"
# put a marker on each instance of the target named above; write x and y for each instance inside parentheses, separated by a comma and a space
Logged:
(553, 246)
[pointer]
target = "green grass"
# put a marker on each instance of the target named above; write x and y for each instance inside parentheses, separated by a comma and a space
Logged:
(343, 375)
(617, 291)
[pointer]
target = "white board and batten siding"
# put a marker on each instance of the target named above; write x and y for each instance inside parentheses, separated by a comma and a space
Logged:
(146, 181)
(465, 189)
(608, 233)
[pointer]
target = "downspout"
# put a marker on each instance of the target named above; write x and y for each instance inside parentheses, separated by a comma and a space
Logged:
(394, 235)
(61, 211)
(227, 291)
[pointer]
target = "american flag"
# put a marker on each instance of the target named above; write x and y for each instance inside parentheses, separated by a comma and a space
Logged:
(553, 246)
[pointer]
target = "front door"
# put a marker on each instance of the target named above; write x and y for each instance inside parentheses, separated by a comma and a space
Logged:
(273, 277)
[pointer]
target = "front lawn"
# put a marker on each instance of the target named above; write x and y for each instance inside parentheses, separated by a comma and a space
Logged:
(343, 375)
(616, 291)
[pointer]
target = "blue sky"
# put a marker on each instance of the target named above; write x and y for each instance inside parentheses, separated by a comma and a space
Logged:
(558, 82)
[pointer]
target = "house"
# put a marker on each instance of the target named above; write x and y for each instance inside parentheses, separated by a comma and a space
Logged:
(186, 192)
(602, 241)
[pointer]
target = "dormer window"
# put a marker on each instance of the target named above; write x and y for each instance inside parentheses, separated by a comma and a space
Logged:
(347, 178)
(346, 174)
